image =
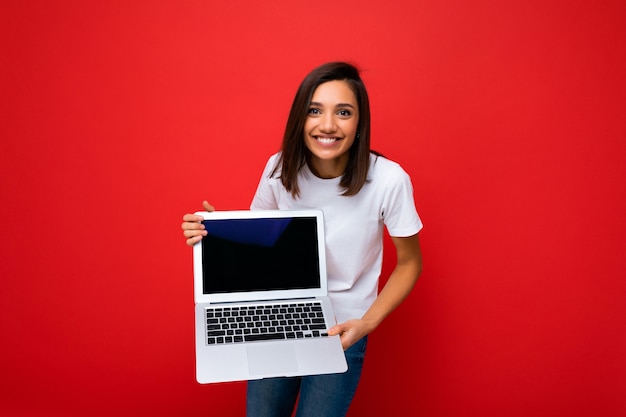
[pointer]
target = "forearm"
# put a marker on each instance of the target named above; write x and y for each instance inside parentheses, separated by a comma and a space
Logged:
(397, 288)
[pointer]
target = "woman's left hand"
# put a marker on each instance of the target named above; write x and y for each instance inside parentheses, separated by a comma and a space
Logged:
(350, 331)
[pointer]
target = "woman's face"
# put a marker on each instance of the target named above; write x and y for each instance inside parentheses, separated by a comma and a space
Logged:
(330, 127)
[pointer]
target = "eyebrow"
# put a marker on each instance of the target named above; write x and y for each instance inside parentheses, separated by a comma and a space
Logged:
(315, 103)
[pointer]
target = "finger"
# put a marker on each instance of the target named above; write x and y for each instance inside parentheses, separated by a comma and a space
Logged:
(192, 241)
(207, 206)
(335, 330)
(192, 218)
(193, 233)
(192, 226)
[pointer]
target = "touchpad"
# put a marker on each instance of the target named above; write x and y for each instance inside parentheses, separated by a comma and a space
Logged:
(272, 359)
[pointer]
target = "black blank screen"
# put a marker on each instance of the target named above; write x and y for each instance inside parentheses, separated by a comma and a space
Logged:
(260, 255)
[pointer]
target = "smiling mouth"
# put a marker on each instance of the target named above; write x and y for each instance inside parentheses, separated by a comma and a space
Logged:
(326, 140)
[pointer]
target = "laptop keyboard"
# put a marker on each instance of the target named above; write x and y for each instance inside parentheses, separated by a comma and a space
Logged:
(265, 322)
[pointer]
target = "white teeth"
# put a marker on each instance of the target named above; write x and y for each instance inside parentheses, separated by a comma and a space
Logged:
(326, 140)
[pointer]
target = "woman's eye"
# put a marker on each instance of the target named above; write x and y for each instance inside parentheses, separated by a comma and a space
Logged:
(344, 113)
(314, 111)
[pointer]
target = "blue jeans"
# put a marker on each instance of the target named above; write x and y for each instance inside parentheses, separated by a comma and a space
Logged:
(320, 395)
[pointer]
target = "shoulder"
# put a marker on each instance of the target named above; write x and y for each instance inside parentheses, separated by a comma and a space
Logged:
(384, 169)
(382, 161)
(273, 159)
(272, 165)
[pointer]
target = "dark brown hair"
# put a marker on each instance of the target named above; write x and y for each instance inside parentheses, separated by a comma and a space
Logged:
(294, 153)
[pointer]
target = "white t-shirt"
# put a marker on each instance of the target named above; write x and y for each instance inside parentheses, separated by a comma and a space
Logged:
(353, 225)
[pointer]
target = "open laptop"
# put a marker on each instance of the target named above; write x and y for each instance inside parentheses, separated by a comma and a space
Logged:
(266, 267)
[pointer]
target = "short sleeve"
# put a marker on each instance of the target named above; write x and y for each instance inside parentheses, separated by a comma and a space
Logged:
(264, 197)
(399, 212)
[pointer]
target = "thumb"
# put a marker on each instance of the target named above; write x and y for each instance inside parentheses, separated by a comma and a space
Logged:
(336, 329)
(207, 206)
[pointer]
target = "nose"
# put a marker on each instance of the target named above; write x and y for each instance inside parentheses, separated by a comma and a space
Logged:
(328, 123)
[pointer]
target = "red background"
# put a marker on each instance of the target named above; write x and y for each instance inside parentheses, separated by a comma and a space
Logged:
(118, 117)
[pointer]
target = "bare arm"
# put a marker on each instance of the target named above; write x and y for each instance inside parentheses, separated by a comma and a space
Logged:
(397, 288)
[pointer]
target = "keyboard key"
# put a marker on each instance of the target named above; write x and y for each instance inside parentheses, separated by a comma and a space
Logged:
(265, 336)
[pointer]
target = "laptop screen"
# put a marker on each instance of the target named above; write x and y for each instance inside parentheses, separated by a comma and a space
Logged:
(260, 254)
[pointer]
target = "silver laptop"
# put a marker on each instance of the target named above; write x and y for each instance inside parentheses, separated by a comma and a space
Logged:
(260, 290)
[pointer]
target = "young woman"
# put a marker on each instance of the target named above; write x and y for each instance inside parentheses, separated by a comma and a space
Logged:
(325, 162)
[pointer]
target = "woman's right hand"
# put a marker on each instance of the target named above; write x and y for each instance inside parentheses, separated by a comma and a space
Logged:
(192, 226)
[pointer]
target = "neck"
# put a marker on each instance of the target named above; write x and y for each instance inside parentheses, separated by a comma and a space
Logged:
(328, 169)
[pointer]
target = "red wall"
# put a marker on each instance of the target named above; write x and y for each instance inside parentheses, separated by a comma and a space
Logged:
(118, 117)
